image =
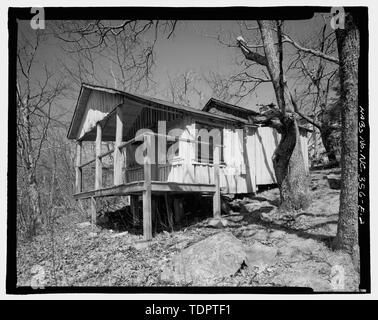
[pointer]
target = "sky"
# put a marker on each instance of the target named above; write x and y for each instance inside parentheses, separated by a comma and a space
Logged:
(193, 47)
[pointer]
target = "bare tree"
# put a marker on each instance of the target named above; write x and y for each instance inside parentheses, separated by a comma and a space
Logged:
(185, 88)
(318, 97)
(348, 56)
(35, 98)
(288, 159)
(119, 54)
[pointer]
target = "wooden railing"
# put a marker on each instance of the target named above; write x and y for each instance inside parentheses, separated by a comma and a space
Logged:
(146, 175)
(143, 172)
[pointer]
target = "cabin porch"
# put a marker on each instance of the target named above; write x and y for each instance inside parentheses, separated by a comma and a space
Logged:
(144, 180)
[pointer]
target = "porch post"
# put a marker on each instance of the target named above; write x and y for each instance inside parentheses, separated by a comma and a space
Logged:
(93, 212)
(78, 181)
(117, 152)
(216, 197)
(98, 174)
(147, 220)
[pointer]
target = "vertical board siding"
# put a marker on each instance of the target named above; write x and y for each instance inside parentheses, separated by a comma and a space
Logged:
(267, 140)
(250, 157)
(247, 152)
(98, 107)
(234, 175)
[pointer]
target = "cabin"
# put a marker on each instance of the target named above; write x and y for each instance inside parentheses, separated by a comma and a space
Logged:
(149, 146)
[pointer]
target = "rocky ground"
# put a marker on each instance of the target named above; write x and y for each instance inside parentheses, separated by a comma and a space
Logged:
(252, 246)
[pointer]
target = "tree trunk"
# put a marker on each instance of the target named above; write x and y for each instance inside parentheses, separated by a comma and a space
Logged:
(347, 228)
(288, 160)
(291, 175)
(29, 162)
(329, 143)
(35, 214)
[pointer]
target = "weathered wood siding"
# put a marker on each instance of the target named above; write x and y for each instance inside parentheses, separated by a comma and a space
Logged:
(266, 141)
(98, 106)
(234, 177)
(247, 153)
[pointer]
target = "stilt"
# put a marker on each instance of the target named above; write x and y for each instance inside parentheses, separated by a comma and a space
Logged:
(169, 212)
(134, 209)
(98, 172)
(118, 156)
(78, 170)
(147, 212)
(93, 212)
(178, 208)
(216, 197)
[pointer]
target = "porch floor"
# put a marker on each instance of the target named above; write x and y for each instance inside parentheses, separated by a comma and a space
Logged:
(139, 186)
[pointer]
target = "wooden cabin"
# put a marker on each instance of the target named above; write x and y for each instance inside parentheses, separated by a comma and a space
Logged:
(238, 163)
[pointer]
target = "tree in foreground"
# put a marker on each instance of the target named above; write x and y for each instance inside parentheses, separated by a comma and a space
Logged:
(288, 160)
(348, 43)
(287, 163)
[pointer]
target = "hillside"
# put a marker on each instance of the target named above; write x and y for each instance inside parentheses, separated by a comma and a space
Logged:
(283, 250)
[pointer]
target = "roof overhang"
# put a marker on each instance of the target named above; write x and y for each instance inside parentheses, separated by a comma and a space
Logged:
(131, 99)
(215, 102)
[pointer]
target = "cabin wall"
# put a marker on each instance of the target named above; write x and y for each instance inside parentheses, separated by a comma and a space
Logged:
(237, 172)
(250, 156)
(266, 142)
(235, 175)
(247, 157)
(185, 168)
(247, 152)
(180, 168)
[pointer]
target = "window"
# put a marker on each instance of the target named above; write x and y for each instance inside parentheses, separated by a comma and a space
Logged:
(175, 149)
(205, 142)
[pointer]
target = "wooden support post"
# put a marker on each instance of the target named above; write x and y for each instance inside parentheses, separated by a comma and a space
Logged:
(217, 197)
(98, 174)
(147, 212)
(78, 170)
(117, 152)
(134, 209)
(93, 212)
(169, 211)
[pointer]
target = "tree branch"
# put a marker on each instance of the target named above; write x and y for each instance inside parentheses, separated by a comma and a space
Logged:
(317, 53)
(250, 55)
(296, 109)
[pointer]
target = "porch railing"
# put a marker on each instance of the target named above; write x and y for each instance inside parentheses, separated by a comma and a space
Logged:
(202, 173)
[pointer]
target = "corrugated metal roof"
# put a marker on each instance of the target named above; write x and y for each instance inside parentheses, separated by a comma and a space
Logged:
(143, 100)
(216, 102)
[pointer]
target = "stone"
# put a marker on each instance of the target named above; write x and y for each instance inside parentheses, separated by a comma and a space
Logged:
(265, 217)
(260, 256)
(181, 245)
(217, 256)
(121, 234)
(236, 218)
(253, 206)
(101, 220)
(334, 181)
(260, 235)
(217, 223)
(84, 224)
(300, 278)
(92, 234)
(141, 245)
(297, 249)
(276, 234)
